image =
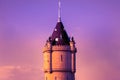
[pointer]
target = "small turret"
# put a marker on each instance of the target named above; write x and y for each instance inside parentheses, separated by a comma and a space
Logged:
(72, 45)
(47, 50)
(73, 52)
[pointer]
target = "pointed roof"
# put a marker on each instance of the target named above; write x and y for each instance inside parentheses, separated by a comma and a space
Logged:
(59, 35)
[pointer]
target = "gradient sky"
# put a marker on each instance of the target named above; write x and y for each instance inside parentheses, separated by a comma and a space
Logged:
(25, 25)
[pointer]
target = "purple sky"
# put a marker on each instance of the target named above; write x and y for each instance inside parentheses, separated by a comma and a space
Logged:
(25, 25)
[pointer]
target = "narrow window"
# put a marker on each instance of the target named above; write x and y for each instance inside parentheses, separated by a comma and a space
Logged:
(47, 58)
(55, 78)
(67, 77)
(46, 78)
(61, 58)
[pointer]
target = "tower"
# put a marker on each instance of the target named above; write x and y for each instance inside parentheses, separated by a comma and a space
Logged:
(59, 54)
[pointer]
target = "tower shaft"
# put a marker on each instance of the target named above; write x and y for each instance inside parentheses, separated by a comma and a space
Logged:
(59, 54)
(59, 62)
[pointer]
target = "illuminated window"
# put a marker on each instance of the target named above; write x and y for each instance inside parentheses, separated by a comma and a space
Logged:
(56, 39)
(55, 29)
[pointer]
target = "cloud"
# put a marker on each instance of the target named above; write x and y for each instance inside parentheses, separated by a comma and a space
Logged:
(5, 72)
(20, 73)
(98, 70)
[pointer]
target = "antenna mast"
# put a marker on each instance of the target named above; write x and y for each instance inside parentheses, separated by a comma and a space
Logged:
(59, 11)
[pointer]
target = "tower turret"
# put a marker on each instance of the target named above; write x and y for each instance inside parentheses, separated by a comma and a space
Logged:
(59, 55)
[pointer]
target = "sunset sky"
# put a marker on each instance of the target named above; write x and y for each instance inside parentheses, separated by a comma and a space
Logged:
(25, 25)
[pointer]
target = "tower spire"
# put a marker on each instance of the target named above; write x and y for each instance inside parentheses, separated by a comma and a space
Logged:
(59, 11)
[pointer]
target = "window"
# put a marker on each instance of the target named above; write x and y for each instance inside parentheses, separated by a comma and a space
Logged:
(55, 29)
(55, 78)
(60, 36)
(46, 78)
(61, 58)
(67, 77)
(47, 58)
(56, 39)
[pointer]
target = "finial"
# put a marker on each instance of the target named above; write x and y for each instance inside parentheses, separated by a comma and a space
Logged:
(59, 11)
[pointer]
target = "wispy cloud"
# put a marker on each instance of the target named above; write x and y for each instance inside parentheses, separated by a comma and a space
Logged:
(20, 73)
(5, 72)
